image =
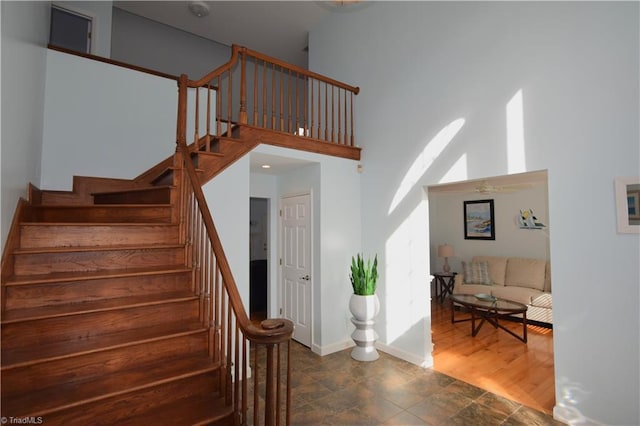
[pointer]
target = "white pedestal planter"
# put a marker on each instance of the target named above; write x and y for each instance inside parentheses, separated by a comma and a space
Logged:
(364, 309)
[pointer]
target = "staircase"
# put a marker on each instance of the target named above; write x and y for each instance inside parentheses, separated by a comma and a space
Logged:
(118, 303)
(100, 321)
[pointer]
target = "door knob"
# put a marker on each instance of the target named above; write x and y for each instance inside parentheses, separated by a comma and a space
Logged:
(306, 278)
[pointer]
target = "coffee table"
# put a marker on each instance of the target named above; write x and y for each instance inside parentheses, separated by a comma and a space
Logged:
(489, 309)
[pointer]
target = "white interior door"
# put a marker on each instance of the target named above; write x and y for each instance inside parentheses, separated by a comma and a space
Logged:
(296, 265)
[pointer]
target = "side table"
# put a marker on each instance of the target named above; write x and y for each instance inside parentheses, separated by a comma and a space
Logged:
(444, 284)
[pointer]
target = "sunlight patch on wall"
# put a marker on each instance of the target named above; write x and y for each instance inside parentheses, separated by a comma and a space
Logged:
(516, 162)
(457, 172)
(425, 159)
(407, 267)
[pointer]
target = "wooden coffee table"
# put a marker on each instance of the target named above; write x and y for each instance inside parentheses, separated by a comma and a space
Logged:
(489, 309)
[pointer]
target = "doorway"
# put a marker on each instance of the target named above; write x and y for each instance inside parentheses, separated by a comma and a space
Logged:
(297, 281)
(521, 373)
(259, 258)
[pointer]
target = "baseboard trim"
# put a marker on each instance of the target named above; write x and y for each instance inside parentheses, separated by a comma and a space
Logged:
(346, 344)
(332, 348)
(571, 416)
(409, 357)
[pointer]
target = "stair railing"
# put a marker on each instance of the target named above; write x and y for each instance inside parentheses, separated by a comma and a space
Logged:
(221, 308)
(266, 93)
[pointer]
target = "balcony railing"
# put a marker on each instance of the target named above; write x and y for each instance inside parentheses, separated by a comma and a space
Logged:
(256, 90)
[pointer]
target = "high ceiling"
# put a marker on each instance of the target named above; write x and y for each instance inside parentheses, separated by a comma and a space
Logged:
(276, 28)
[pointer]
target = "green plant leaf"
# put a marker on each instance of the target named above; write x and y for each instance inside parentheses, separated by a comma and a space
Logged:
(364, 276)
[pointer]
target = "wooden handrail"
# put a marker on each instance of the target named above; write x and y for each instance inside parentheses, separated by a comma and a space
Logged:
(218, 71)
(112, 62)
(222, 310)
(299, 70)
(272, 330)
(237, 50)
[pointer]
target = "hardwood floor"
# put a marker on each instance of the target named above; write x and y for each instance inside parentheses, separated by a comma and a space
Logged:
(494, 360)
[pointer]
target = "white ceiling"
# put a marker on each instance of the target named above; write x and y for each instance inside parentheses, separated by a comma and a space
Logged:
(276, 28)
(277, 164)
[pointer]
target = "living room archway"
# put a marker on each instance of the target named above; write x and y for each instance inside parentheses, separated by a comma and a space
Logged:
(493, 360)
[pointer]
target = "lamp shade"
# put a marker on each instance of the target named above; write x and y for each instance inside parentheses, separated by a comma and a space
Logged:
(445, 251)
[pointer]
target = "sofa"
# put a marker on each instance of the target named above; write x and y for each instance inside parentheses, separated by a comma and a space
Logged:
(523, 280)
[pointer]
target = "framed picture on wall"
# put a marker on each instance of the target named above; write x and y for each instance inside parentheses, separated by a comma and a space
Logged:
(633, 203)
(627, 190)
(479, 220)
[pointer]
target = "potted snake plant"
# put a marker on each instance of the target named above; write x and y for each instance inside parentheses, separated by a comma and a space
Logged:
(364, 306)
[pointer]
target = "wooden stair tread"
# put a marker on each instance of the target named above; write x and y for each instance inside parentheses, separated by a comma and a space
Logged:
(31, 314)
(96, 224)
(56, 277)
(210, 154)
(200, 409)
(40, 250)
(102, 213)
(90, 206)
(37, 353)
(72, 394)
(131, 190)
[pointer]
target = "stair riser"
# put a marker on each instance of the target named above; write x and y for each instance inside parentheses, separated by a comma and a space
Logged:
(151, 196)
(213, 164)
(42, 235)
(223, 145)
(135, 214)
(44, 263)
(33, 296)
(90, 325)
(66, 198)
(78, 368)
(116, 410)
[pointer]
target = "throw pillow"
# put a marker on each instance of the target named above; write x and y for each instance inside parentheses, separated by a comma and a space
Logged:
(476, 273)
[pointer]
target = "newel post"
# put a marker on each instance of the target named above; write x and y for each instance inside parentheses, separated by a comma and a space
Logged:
(270, 408)
(242, 117)
(177, 197)
(181, 128)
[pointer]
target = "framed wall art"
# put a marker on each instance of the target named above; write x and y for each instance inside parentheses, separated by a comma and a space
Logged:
(633, 205)
(627, 190)
(479, 220)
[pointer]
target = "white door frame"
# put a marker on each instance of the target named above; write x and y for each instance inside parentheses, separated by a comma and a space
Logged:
(280, 288)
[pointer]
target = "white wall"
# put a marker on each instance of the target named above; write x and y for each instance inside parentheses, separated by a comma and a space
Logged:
(446, 225)
(577, 66)
(25, 31)
(104, 120)
(228, 200)
(340, 239)
(140, 41)
(100, 12)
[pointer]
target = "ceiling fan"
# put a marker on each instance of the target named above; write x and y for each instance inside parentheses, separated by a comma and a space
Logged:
(486, 188)
(482, 187)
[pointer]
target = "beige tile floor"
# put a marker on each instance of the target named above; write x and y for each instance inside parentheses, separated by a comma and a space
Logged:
(337, 390)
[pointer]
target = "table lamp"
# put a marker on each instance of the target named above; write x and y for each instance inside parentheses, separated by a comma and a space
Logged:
(445, 251)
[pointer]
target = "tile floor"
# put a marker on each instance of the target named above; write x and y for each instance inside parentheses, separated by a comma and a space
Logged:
(337, 390)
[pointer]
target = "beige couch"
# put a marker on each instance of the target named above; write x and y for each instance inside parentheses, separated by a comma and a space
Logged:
(523, 280)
